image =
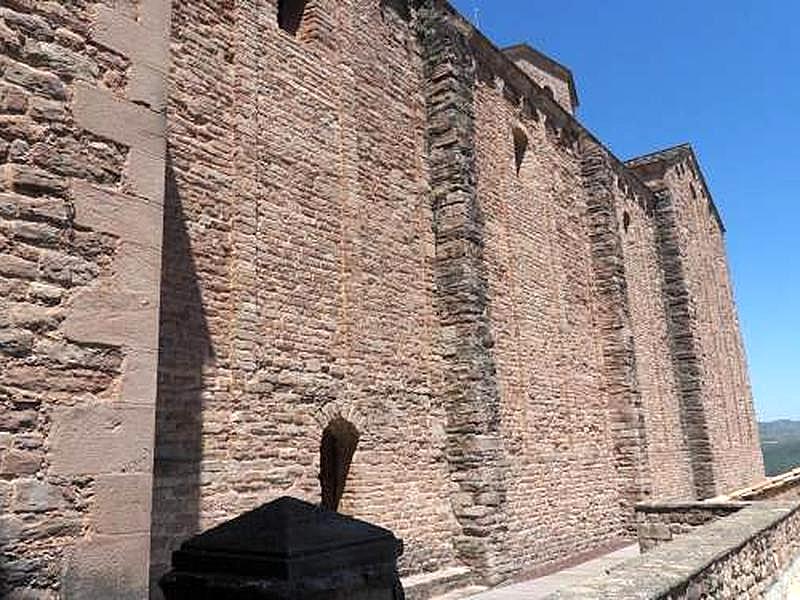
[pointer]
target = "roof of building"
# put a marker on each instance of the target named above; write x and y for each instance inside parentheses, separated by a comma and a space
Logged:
(547, 64)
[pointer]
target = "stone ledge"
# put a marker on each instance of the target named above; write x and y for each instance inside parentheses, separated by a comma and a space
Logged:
(678, 569)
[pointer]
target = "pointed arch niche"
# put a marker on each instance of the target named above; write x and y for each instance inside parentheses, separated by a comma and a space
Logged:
(339, 443)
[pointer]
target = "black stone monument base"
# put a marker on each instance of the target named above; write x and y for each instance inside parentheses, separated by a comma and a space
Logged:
(287, 550)
(378, 585)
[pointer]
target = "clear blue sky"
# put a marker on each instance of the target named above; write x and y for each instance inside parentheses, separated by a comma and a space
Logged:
(725, 76)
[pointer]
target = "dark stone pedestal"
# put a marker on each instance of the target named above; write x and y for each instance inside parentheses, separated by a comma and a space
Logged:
(287, 550)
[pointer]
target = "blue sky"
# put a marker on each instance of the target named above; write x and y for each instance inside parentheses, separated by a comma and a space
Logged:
(725, 76)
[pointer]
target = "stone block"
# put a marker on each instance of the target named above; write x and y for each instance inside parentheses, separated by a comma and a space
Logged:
(18, 268)
(38, 82)
(147, 86)
(15, 462)
(28, 179)
(131, 218)
(17, 420)
(42, 234)
(109, 567)
(18, 151)
(51, 525)
(37, 209)
(139, 377)
(62, 61)
(30, 316)
(26, 23)
(10, 528)
(47, 110)
(123, 503)
(139, 42)
(146, 174)
(45, 292)
(32, 495)
(66, 269)
(110, 314)
(102, 439)
(102, 113)
(13, 99)
(15, 342)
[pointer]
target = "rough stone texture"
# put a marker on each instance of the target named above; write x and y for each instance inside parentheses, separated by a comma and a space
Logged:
(555, 78)
(526, 350)
(747, 555)
(319, 301)
(80, 247)
(660, 522)
(711, 369)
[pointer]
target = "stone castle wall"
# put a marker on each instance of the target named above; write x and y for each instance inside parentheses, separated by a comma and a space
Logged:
(543, 313)
(305, 263)
(709, 353)
(81, 191)
(728, 403)
(346, 235)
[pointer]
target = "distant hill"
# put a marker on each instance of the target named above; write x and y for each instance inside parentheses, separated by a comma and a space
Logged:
(780, 443)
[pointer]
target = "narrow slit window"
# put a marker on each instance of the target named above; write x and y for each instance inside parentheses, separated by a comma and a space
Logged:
(339, 441)
(290, 15)
(626, 221)
(520, 147)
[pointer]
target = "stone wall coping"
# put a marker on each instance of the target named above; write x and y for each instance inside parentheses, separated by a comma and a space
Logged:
(669, 568)
(679, 505)
(771, 484)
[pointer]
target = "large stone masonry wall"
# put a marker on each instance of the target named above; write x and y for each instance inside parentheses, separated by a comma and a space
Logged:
(194, 370)
(542, 312)
(346, 235)
(299, 274)
(708, 353)
(667, 454)
(81, 186)
(730, 415)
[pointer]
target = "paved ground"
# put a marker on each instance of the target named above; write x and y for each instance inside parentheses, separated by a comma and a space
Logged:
(536, 589)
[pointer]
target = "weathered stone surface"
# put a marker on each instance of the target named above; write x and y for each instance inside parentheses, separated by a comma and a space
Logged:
(67, 269)
(123, 503)
(16, 342)
(740, 556)
(29, 316)
(109, 567)
(14, 266)
(101, 439)
(20, 463)
(31, 179)
(62, 61)
(31, 495)
(18, 419)
(35, 80)
(13, 99)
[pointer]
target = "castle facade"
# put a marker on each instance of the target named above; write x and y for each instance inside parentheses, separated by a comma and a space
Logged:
(349, 251)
